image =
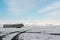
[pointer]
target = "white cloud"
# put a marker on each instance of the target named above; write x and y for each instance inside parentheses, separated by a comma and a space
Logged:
(54, 14)
(51, 7)
(16, 7)
(53, 11)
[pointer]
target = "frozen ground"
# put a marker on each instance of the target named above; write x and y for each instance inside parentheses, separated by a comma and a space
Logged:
(45, 33)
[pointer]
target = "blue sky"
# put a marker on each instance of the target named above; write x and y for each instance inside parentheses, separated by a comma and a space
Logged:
(30, 11)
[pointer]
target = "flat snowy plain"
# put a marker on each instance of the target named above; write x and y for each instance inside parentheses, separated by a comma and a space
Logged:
(45, 33)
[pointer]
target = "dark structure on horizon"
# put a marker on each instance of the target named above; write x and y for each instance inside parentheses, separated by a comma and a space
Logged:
(13, 25)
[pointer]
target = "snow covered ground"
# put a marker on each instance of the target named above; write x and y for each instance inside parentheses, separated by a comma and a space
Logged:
(45, 33)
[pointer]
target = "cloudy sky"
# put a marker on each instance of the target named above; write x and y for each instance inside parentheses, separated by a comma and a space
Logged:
(30, 11)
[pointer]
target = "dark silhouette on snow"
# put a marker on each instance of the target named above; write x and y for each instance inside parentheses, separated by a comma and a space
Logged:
(13, 25)
(1, 38)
